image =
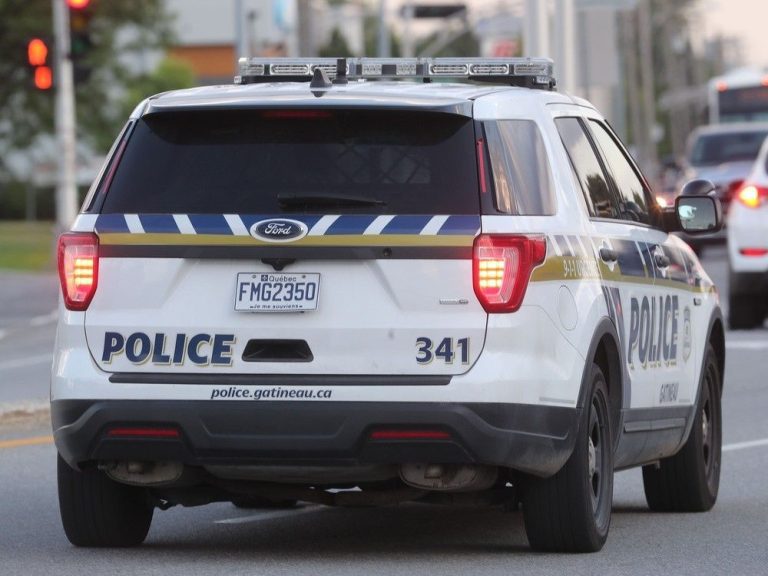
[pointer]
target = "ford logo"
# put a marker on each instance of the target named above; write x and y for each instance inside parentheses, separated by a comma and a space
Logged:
(279, 230)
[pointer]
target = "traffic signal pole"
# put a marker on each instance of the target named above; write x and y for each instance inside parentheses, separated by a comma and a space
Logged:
(66, 183)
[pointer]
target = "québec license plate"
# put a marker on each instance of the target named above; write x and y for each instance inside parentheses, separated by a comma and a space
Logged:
(276, 292)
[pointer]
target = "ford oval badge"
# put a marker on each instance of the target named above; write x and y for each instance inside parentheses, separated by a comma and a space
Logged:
(279, 230)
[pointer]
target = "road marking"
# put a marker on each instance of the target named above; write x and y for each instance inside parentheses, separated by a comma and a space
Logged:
(747, 344)
(745, 445)
(271, 515)
(3, 334)
(23, 362)
(19, 442)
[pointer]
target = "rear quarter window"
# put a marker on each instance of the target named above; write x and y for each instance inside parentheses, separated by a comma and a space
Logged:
(239, 161)
(521, 173)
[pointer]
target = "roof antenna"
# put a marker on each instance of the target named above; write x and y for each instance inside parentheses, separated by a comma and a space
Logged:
(341, 71)
(320, 80)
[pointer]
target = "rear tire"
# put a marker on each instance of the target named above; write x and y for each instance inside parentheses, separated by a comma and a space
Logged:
(689, 481)
(571, 511)
(99, 512)
(746, 310)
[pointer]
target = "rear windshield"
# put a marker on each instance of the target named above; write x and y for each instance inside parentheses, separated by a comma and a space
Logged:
(712, 149)
(276, 161)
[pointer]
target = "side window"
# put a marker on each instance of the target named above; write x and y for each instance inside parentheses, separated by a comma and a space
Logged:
(633, 202)
(521, 175)
(587, 168)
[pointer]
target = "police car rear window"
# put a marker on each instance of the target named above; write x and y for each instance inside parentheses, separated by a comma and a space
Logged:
(278, 161)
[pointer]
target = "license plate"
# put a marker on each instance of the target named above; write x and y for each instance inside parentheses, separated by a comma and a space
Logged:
(276, 292)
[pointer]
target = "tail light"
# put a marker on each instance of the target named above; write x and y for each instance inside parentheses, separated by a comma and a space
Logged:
(502, 266)
(752, 196)
(78, 268)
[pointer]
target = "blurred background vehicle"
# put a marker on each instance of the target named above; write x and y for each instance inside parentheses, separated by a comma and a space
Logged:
(724, 155)
(748, 248)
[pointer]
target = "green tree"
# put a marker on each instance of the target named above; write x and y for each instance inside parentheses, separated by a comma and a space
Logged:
(122, 33)
(337, 46)
(170, 74)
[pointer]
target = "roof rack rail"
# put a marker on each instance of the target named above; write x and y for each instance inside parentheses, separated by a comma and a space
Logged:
(526, 72)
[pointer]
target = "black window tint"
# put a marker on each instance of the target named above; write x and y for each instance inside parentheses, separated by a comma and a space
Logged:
(587, 168)
(238, 161)
(521, 175)
(632, 199)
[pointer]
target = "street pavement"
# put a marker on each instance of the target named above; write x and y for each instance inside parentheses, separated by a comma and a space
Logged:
(408, 539)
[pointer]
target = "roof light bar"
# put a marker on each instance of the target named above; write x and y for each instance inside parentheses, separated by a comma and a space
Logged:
(528, 72)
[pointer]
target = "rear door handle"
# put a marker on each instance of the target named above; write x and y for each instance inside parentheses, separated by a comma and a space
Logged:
(661, 261)
(608, 255)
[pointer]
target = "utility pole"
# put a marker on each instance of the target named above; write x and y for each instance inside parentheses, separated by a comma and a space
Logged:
(649, 90)
(536, 30)
(66, 183)
(384, 48)
(565, 45)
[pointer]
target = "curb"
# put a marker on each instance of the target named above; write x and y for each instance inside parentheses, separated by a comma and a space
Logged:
(14, 412)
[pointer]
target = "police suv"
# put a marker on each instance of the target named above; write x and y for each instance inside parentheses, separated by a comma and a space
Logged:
(367, 282)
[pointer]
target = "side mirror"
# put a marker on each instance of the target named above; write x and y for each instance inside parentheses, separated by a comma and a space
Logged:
(698, 187)
(699, 214)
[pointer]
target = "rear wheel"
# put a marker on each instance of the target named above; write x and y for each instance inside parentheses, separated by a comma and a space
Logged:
(746, 310)
(689, 481)
(571, 511)
(99, 512)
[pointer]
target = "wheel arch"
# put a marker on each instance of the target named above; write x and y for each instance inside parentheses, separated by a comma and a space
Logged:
(605, 350)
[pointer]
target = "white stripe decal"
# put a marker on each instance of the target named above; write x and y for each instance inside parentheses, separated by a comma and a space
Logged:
(322, 225)
(85, 223)
(236, 225)
(184, 224)
(553, 242)
(433, 226)
(378, 225)
(134, 224)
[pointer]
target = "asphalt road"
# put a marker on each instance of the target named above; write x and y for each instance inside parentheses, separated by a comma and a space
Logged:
(408, 539)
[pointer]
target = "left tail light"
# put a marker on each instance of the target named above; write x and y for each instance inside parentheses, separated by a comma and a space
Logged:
(502, 266)
(752, 196)
(78, 257)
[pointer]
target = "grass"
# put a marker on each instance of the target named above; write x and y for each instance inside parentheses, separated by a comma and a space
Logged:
(27, 246)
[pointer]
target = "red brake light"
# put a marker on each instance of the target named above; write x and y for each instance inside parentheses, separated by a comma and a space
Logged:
(752, 196)
(410, 435)
(78, 268)
(143, 432)
(298, 113)
(480, 147)
(502, 266)
(753, 252)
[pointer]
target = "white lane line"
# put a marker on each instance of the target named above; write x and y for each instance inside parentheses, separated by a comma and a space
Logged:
(745, 445)
(3, 334)
(270, 515)
(24, 362)
(747, 344)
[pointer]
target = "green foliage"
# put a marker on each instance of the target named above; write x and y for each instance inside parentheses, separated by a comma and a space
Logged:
(26, 245)
(337, 46)
(170, 74)
(25, 113)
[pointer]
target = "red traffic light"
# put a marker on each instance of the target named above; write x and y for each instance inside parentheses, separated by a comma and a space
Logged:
(37, 52)
(43, 77)
(78, 4)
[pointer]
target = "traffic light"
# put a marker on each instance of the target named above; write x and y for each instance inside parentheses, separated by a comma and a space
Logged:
(37, 57)
(80, 16)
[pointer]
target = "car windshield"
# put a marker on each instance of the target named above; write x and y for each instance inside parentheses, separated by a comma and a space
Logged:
(713, 149)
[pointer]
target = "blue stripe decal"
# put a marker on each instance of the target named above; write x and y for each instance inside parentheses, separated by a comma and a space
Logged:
(210, 224)
(114, 223)
(406, 225)
(353, 224)
(158, 224)
(461, 225)
(630, 262)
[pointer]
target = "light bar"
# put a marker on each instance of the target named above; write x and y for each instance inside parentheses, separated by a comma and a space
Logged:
(528, 72)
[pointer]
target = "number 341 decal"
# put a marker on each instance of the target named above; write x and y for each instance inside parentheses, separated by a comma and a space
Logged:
(446, 350)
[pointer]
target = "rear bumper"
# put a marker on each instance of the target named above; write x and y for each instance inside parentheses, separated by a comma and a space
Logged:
(530, 438)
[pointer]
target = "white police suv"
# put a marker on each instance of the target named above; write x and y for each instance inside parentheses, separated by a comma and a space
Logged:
(366, 282)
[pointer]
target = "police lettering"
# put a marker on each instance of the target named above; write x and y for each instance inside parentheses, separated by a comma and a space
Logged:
(653, 331)
(199, 349)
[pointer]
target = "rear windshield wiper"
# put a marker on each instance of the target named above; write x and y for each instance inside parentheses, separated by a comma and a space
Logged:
(327, 199)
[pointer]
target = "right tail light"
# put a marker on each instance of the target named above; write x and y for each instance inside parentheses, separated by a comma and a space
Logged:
(78, 268)
(752, 196)
(502, 266)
